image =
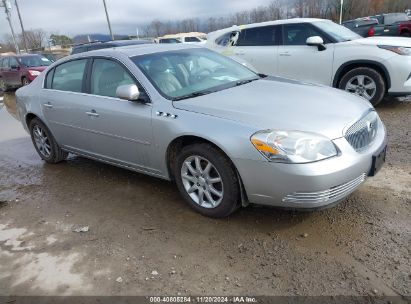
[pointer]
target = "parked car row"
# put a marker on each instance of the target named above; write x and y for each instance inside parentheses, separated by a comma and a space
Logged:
(393, 24)
(320, 51)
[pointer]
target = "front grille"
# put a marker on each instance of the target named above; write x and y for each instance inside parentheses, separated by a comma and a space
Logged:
(333, 193)
(362, 133)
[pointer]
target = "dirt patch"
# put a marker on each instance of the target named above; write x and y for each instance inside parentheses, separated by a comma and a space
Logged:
(143, 239)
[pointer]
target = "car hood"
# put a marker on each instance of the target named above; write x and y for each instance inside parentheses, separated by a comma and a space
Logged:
(391, 41)
(278, 103)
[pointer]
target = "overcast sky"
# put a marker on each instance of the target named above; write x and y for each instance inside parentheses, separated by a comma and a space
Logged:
(73, 17)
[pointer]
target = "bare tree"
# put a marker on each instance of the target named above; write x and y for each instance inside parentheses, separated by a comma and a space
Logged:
(281, 9)
(36, 38)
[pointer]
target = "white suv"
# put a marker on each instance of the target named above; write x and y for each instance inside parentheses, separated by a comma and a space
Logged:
(320, 51)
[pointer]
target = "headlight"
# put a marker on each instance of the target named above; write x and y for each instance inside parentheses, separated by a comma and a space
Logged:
(400, 50)
(293, 146)
(34, 73)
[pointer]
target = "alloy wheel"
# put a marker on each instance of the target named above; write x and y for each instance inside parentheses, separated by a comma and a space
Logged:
(202, 181)
(362, 85)
(42, 141)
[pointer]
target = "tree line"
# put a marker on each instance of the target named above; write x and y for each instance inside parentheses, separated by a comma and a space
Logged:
(279, 9)
(276, 9)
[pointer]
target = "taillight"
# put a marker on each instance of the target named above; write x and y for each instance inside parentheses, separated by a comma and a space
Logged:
(371, 32)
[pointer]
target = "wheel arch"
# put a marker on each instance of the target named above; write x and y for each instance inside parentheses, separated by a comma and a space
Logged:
(405, 31)
(29, 117)
(184, 140)
(346, 67)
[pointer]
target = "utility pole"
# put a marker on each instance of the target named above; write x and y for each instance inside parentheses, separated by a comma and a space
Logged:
(22, 27)
(7, 8)
(341, 11)
(108, 20)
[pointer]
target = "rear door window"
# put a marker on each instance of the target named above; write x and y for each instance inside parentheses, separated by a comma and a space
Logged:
(259, 36)
(69, 76)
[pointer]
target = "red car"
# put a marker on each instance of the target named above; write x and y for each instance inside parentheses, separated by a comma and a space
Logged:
(20, 70)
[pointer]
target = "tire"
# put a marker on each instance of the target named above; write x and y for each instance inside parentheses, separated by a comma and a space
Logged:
(405, 34)
(3, 86)
(44, 142)
(24, 81)
(221, 166)
(349, 82)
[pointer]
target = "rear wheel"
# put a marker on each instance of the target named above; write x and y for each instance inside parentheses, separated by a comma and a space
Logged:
(365, 82)
(44, 142)
(405, 34)
(207, 180)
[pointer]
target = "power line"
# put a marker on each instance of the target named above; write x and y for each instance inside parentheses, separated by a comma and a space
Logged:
(7, 8)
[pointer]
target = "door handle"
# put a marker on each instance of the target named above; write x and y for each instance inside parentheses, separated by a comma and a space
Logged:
(285, 54)
(239, 53)
(93, 113)
(48, 105)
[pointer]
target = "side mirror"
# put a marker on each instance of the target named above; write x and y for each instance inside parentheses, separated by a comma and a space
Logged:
(128, 92)
(15, 67)
(316, 41)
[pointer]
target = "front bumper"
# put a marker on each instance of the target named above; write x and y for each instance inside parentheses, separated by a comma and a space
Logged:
(312, 185)
(399, 68)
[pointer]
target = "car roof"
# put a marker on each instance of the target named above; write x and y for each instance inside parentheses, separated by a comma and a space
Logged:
(267, 23)
(136, 50)
(113, 42)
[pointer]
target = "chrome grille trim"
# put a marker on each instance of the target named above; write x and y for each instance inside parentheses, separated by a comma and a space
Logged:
(362, 133)
(325, 195)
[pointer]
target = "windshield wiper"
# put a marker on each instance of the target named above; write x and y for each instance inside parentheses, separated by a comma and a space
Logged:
(191, 95)
(241, 82)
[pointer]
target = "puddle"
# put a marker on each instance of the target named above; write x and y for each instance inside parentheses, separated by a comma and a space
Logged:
(10, 126)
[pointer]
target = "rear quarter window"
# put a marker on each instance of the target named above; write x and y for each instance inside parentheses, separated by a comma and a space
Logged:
(49, 79)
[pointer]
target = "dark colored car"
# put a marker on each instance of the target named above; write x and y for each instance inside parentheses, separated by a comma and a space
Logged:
(393, 24)
(361, 26)
(81, 48)
(20, 70)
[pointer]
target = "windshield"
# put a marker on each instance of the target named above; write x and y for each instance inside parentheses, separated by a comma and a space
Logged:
(34, 61)
(338, 32)
(192, 72)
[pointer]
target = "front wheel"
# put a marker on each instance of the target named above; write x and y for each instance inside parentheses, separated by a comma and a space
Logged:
(25, 81)
(3, 85)
(365, 82)
(44, 142)
(207, 180)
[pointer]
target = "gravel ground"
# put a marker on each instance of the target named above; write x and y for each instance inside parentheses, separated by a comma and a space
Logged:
(140, 238)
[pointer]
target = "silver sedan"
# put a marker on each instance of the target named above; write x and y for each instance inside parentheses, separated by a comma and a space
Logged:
(226, 135)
